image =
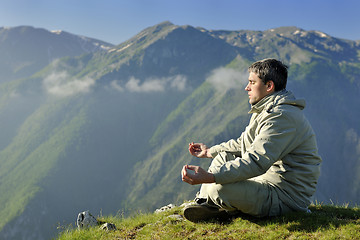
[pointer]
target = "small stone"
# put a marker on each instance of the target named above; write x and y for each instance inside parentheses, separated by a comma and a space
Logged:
(176, 217)
(186, 204)
(86, 219)
(108, 226)
(165, 208)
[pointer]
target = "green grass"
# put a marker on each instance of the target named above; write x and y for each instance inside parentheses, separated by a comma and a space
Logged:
(325, 222)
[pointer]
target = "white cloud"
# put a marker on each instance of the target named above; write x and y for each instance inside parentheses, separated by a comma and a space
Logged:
(177, 82)
(115, 85)
(152, 85)
(224, 79)
(62, 85)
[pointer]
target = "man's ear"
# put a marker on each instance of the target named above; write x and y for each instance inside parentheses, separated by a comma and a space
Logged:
(270, 86)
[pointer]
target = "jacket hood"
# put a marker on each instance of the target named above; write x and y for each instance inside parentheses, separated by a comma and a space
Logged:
(282, 97)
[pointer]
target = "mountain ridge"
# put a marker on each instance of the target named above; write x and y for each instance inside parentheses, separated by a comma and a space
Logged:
(26, 50)
(313, 41)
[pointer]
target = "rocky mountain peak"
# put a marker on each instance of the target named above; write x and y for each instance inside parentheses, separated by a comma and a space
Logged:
(168, 49)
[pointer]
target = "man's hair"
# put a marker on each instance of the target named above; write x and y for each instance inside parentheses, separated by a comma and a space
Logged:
(271, 69)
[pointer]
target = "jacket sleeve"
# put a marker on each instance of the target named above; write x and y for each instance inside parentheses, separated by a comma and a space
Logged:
(273, 141)
(232, 146)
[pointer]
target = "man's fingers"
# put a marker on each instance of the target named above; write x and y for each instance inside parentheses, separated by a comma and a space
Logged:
(193, 168)
(187, 179)
(198, 176)
(183, 171)
(187, 176)
(192, 149)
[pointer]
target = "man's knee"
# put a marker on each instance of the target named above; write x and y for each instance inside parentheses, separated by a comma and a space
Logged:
(247, 196)
(227, 196)
(216, 194)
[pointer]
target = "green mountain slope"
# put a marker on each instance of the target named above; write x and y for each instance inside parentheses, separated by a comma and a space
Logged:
(111, 110)
(34, 152)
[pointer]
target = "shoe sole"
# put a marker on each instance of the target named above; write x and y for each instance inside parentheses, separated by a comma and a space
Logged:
(198, 213)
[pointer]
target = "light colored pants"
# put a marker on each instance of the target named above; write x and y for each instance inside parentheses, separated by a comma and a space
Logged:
(253, 196)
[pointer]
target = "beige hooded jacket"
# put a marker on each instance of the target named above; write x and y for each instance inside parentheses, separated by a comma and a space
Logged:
(279, 147)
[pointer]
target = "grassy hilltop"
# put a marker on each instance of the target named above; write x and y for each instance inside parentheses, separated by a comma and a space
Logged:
(325, 222)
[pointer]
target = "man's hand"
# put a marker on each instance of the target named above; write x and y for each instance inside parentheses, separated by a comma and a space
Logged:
(198, 177)
(199, 150)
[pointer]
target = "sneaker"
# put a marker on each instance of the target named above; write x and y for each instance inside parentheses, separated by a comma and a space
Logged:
(204, 212)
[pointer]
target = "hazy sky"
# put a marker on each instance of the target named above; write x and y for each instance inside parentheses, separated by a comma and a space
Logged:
(115, 21)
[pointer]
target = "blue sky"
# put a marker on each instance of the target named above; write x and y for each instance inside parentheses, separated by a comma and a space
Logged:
(115, 21)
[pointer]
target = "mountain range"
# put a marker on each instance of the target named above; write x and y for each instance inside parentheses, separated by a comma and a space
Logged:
(87, 125)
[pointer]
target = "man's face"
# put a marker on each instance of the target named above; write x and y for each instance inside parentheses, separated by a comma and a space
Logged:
(256, 89)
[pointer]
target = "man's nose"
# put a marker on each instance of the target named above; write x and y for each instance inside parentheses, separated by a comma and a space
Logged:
(247, 88)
